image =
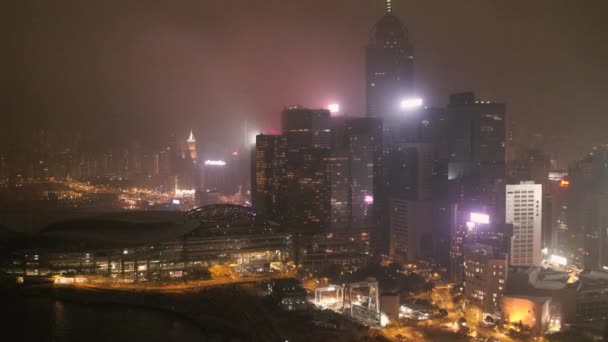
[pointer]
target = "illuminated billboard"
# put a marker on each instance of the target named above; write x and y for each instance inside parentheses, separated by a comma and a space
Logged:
(558, 260)
(480, 218)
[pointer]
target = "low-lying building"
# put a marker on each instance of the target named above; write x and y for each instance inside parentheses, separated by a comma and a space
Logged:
(528, 311)
(574, 298)
(162, 249)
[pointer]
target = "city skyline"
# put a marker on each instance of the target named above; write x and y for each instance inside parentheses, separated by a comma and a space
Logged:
(271, 171)
(168, 67)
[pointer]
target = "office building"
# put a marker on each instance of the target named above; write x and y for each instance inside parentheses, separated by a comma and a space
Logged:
(364, 153)
(524, 212)
(409, 224)
(269, 185)
(306, 128)
(389, 66)
(307, 134)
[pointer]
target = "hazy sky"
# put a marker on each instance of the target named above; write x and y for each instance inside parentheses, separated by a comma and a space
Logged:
(145, 69)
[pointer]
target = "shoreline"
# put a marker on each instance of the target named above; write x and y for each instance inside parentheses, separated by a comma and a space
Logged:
(234, 312)
(92, 299)
(176, 304)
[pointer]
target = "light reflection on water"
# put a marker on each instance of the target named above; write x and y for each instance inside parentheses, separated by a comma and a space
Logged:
(41, 318)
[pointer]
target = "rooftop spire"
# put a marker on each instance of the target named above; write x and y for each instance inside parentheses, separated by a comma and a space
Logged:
(389, 6)
(191, 138)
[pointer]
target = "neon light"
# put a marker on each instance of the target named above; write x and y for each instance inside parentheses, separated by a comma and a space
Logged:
(369, 199)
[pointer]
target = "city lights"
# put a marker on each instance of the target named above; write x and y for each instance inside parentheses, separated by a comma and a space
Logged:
(411, 103)
(369, 199)
(184, 192)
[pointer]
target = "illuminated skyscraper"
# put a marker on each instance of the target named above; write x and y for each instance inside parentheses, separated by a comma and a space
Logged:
(389, 65)
(191, 146)
(524, 212)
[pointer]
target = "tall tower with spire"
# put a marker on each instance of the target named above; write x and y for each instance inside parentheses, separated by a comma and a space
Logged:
(192, 146)
(389, 66)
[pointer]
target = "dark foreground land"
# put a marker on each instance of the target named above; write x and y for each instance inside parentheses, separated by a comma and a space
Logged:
(237, 312)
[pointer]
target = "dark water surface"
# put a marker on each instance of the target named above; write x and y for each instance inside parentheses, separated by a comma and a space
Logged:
(41, 318)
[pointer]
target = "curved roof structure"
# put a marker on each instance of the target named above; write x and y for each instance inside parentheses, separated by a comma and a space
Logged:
(108, 232)
(223, 214)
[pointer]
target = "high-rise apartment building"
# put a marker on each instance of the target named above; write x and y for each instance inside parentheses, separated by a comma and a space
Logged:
(485, 274)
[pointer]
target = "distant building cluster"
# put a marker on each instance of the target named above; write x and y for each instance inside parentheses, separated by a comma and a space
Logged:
(171, 169)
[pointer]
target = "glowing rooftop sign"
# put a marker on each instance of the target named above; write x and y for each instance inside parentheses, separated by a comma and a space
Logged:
(480, 218)
(215, 162)
(411, 103)
(334, 108)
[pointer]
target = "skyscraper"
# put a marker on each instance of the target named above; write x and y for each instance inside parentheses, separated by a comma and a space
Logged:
(307, 134)
(408, 221)
(269, 179)
(587, 202)
(524, 212)
(306, 128)
(389, 65)
(339, 178)
(476, 136)
(191, 142)
(365, 152)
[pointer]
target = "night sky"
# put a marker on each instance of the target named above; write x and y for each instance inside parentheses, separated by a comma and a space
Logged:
(116, 70)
